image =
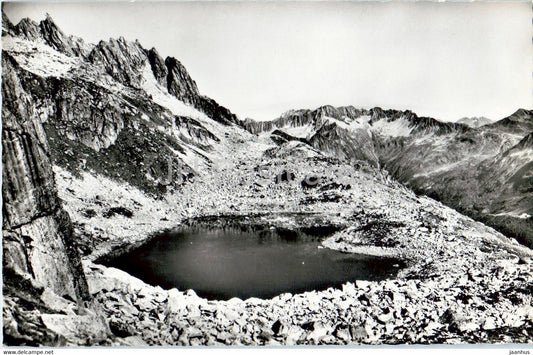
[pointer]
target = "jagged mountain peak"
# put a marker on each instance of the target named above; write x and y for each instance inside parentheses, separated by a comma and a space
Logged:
(27, 21)
(122, 59)
(520, 115)
(344, 114)
(28, 28)
(522, 112)
(48, 32)
(389, 122)
(159, 69)
(179, 82)
(125, 62)
(416, 124)
(294, 112)
(55, 37)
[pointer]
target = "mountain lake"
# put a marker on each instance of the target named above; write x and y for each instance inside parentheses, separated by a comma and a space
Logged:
(221, 263)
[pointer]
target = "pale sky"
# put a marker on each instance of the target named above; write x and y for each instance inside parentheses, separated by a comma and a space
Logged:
(445, 60)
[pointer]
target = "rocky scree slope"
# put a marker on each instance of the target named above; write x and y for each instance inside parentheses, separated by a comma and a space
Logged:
(112, 133)
(484, 172)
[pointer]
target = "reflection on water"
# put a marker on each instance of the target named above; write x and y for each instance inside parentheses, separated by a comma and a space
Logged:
(247, 262)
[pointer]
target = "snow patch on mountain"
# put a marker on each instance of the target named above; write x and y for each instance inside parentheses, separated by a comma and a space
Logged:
(308, 130)
(305, 131)
(396, 128)
(38, 58)
(361, 121)
(514, 214)
(161, 97)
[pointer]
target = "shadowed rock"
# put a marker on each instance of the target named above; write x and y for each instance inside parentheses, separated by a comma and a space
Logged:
(38, 235)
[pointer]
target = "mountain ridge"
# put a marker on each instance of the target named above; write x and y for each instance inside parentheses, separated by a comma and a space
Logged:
(448, 161)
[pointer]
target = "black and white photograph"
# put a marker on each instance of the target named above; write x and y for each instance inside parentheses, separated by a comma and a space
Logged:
(281, 174)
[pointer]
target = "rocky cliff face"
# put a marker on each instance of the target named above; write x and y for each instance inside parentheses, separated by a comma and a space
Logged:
(121, 59)
(38, 239)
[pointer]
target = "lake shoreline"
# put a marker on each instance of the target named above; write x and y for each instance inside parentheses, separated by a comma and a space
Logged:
(464, 282)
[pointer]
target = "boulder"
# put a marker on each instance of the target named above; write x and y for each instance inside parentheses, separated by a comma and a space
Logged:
(319, 332)
(272, 342)
(310, 182)
(489, 323)
(235, 301)
(225, 337)
(342, 332)
(121, 328)
(98, 283)
(191, 293)
(385, 317)
(349, 289)
(145, 304)
(133, 341)
(458, 322)
(358, 333)
(294, 334)
(86, 329)
(56, 303)
(175, 302)
(284, 176)
(123, 278)
(265, 334)
(432, 327)
(194, 332)
(362, 284)
(310, 325)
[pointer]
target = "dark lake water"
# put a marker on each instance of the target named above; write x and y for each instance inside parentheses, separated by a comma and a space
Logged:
(235, 262)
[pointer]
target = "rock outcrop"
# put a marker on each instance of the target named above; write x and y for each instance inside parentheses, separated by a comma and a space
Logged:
(38, 236)
(179, 83)
(123, 60)
(159, 69)
(7, 25)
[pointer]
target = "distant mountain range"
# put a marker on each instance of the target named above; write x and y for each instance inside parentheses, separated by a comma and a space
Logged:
(484, 171)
